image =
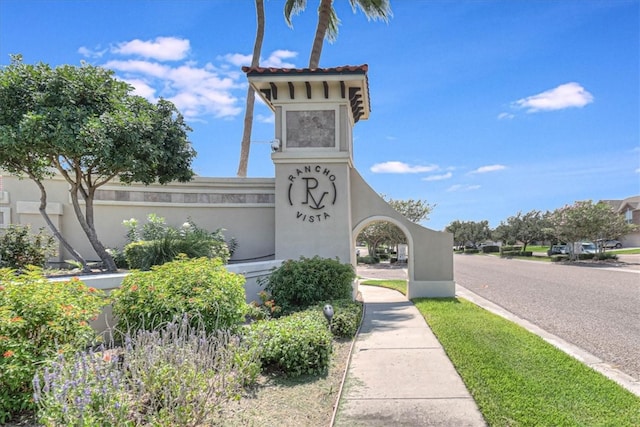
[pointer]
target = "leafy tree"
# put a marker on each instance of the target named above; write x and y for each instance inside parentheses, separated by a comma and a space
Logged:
(457, 229)
(328, 20)
(374, 235)
(526, 227)
(413, 210)
(585, 220)
(251, 96)
(469, 232)
(84, 124)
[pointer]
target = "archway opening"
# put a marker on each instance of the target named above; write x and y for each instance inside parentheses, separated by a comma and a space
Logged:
(386, 251)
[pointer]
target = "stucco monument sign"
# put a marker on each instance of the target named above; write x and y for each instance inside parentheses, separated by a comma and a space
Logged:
(321, 202)
(316, 204)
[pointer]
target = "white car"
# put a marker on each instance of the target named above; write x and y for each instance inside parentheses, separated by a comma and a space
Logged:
(610, 244)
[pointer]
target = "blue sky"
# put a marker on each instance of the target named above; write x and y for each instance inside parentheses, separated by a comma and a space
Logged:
(483, 108)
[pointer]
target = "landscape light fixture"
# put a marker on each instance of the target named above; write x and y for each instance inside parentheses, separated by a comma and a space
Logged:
(328, 313)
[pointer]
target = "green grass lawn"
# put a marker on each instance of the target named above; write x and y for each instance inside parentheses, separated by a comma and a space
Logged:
(516, 378)
(398, 285)
(624, 251)
(538, 248)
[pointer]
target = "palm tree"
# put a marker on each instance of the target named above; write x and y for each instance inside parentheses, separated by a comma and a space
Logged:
(251, 96)
(328, 20)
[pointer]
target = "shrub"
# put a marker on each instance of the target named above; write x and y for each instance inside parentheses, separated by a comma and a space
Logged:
(346, 318)
(160, 243)
(510, 248)
(38, 320)
(179, 375)
(516, 253)
(298, 344)
(558, 258)
(604, 256)
(487, 249)
(118, 258)
(471, 251)
(20, 248)
(368, 259)
(298, 284)
(201, 288)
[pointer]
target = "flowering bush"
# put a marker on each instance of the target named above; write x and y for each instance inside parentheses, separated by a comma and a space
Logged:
(201, 288)
(20, 248)
(178, 375)
(38, 320)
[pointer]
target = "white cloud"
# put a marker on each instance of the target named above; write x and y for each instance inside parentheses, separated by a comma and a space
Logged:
(400, 167)
(638, 170)
(266, 119)
(161, 49)
(564, 96)
(503, 116)
(459, 187)
(438, 177)
(196, 91)
(277, 59)
(489, 168)
(89, 53)
(237, 59)
(142, 88)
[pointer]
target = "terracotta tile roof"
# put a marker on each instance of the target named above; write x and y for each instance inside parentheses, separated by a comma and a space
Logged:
(346, 69)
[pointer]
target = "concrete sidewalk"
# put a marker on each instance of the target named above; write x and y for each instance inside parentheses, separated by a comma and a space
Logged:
(399, 374)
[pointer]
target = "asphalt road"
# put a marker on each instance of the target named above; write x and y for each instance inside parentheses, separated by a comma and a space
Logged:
(594, 308)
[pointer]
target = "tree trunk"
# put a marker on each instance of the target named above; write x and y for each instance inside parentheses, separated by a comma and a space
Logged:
(86, 222)
(248, 112)
(43, 211)
(324, 13)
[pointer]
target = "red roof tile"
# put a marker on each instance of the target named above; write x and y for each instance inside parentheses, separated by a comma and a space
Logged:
(346, 69)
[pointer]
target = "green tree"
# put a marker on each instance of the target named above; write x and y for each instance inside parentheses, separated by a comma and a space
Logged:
(468, 232)
(585, 220)
(328, 20)
(527, 227)
(84, 124)
(251, 96)
(413, 210)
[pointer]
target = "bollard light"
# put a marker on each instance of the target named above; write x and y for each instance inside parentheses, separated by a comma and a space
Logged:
(328, 312)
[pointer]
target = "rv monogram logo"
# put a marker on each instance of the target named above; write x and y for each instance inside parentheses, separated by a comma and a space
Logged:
(313, 189)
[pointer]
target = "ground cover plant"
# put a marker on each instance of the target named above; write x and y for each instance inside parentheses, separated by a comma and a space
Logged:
(39, 319)
(517, 378)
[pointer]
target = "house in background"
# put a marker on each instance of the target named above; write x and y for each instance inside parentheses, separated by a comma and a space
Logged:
(630, 208)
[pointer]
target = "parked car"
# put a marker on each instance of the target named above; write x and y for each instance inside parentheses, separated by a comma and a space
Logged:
(588, 248)
(609, 244)
(557, 250)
